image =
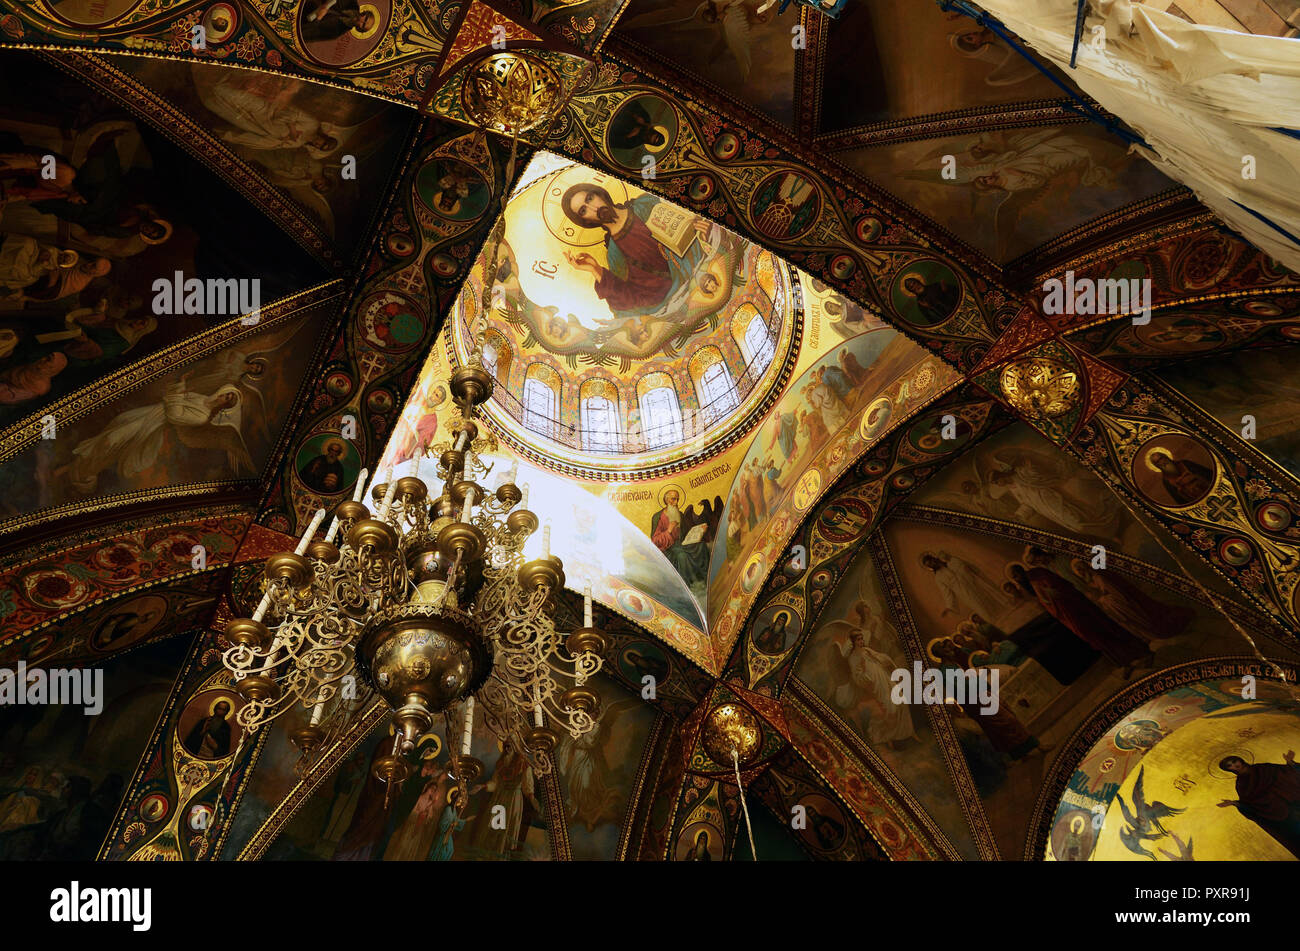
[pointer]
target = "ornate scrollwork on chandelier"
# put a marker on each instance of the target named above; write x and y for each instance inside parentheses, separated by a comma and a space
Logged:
(433, 604)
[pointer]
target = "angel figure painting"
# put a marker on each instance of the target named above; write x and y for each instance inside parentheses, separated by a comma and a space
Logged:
(597, 778)
(1019, 476)
(136, 439)
(862, 667)
(850, 657)
(294, 134)
(214, 421)
(738, 44)
(1028, 184)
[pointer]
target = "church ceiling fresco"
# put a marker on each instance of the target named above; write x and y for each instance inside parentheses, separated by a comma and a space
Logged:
(1189, 263)
(195, 138)
(584, 23)
(80, 598)
(346, 820)
(1251, 387)
(81, 253)
(1221, 777)
(847, 661)
(719, 593)
(1198, 331)
(126, 621)
(91, 567)
(734, 48)
(1082, 819)
(62, 773)
(830, 834)
(716, 167)
(379, 48)
(1018, 478)
(598, 773)
(195, 767)
(852, 387)
(1167, 457)
(573, 292)
(214, 421)
(813, 560)
(857, 72)
(870, 75)
(1063, 636)
(600, 547)
(414, 270)
(902, 830)
(1013, 189)
(330, 152)
(810, 438)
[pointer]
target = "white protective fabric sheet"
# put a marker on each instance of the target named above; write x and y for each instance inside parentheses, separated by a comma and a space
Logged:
(1202, 97)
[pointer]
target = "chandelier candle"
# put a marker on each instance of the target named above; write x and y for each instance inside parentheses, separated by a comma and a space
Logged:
(356, 497)
(469, 725)
(388, 493)
(308, 535)
(586, 605)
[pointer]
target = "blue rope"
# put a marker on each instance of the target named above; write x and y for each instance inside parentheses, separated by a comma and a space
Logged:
(1272, 224)
(1078, 104)
(1080, 15)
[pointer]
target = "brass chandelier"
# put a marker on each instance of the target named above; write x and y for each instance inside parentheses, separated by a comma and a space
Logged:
(432, 603)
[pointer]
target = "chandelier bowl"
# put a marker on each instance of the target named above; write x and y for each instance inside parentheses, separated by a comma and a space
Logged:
(423, 654)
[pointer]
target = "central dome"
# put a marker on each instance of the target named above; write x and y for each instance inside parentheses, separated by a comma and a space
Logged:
(624, 332)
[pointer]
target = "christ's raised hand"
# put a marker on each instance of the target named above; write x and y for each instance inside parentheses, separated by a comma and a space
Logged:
(583, 261)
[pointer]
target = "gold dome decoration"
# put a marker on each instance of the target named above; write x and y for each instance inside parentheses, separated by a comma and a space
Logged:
(1040, 387)
(728, 727)
(512, 93)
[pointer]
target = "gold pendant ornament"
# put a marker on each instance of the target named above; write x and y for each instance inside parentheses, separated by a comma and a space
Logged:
(1041, 387)
(512, 93)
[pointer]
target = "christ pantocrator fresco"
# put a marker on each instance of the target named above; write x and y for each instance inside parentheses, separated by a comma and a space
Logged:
(607, 271)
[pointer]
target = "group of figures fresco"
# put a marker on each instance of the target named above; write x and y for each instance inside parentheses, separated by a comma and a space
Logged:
(88, 221)
(357, 818)
(839, 394)
(61, 777)
(80, 251)
(354, 816)
(1051, 623)
(1061, 630)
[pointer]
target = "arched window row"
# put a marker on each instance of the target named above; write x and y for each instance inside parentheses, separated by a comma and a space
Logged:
(661, 422)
